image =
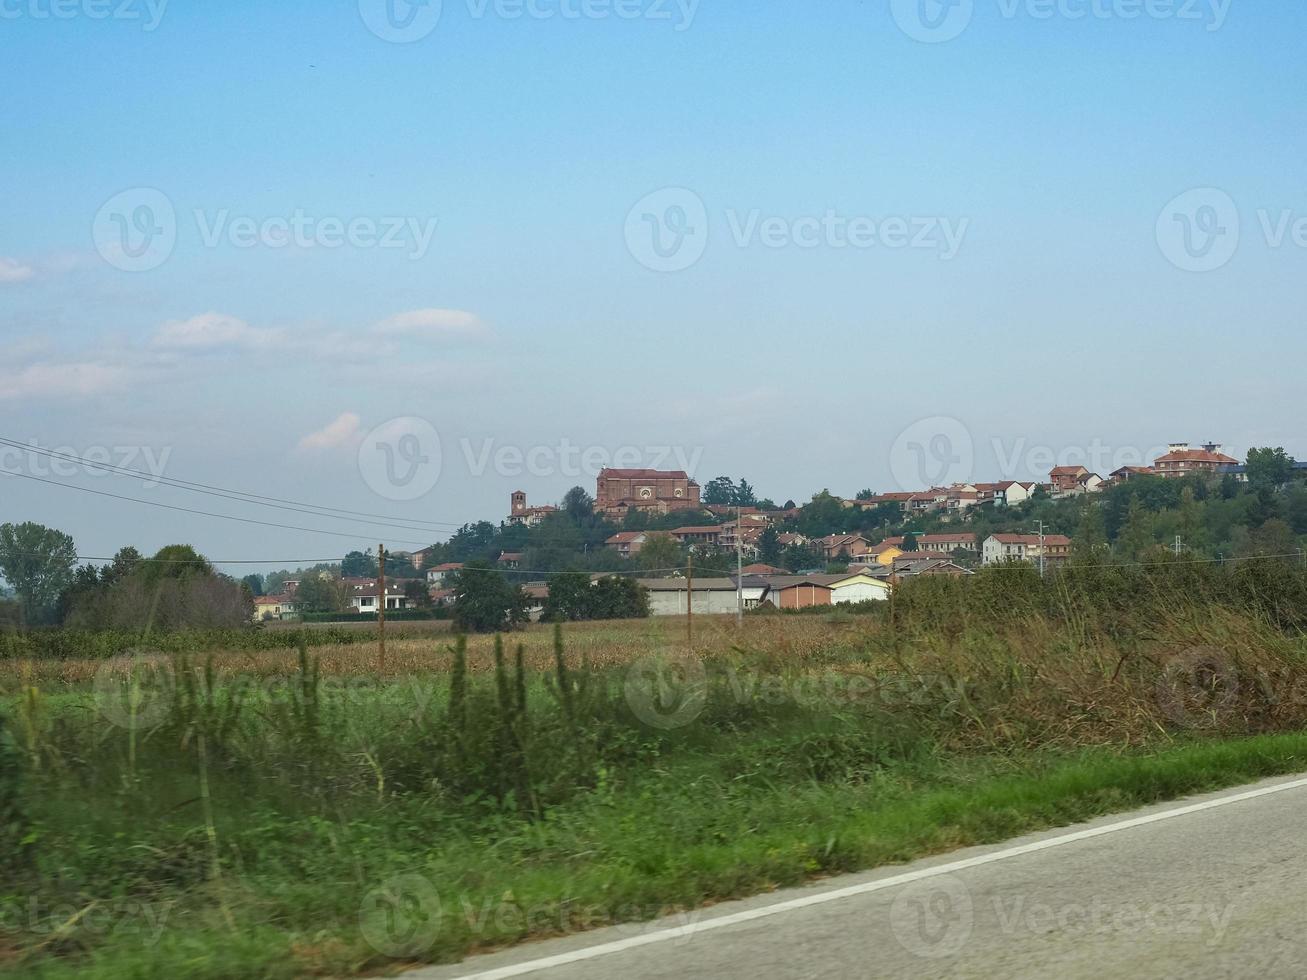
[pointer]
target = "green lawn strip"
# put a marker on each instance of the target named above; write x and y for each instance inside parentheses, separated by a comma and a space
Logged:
(677, 839)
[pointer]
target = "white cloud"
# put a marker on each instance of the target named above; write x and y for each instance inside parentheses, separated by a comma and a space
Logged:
(344, 431)
(11, 271)
(433, 324)
(53, 380)
(212, 331)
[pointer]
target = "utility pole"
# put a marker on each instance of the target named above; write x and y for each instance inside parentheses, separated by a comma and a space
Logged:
(689, 600)
(381, 611)
(1042, 550)
(739, 567)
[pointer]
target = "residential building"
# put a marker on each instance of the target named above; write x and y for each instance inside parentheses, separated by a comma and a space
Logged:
(510, 560)
(961, 499)
(836, 546)
(885, 498)
(706, 534)
(761, 569)
(269, 607)
(949, 542)
(1013, 492)
(925, 501)
(436, 576)
(536, 594)
(1026, 547)
(1071, 481)
(657, 491)
(365, 595)
(929, 566)
(418, 558)
(627, 543)
(1126, 472)
(885, 552)
(1180, 460)
(911, 556)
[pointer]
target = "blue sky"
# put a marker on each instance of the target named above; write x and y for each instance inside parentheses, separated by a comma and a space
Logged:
(1052, 147)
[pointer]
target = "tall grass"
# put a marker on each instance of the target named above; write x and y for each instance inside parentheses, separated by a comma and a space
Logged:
(283, 792)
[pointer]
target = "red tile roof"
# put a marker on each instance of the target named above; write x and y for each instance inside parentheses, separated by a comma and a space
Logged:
(1055, 540)
(1196, 456)
(625, 537)
(643, 475)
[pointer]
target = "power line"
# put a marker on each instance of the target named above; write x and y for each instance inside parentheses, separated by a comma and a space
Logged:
(315, 510)
(202, 513)
(336, 561)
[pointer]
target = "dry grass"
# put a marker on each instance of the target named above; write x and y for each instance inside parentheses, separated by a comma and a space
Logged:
(410, 651)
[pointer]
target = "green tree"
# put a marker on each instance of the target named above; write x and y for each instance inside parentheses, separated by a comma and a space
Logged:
(824, 514)
(719, 491)
(485, 601)
(126, 561)
(254, 583)
(1269, 468)
(744, 495)
(319, 593)
(569, 597)
(1137, 534)
(1297, 510)
(617, 597)
(578, 505)
(417, 595)
(359, 564)
(38, 564)
(1274, 538)
(662, 552)
(176, 561)
(1091, 536)
(86, 583)
(910, 542)
(798, 557)
(769, 547)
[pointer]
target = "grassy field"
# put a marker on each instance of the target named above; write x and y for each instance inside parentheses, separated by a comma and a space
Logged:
(277, 813)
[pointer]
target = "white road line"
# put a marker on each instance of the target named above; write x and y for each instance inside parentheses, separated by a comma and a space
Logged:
(687, 931)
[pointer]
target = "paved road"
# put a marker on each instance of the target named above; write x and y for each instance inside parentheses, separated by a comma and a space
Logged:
(1211, 886)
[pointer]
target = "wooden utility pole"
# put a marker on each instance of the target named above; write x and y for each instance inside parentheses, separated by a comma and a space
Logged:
(739, 567)
(689, 600)
(381, 610)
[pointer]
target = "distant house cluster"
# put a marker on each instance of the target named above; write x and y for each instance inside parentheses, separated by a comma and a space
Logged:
(873, 568)
(1181, 460)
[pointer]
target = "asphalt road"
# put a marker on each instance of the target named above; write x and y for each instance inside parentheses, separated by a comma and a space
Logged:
(1211, 886)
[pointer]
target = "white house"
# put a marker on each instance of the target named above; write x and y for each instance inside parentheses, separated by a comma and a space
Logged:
(1025, 547)
(436, 576)
(364, 595)
(1013, 493)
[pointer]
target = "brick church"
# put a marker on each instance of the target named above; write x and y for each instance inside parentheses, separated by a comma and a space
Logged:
(655, 491)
